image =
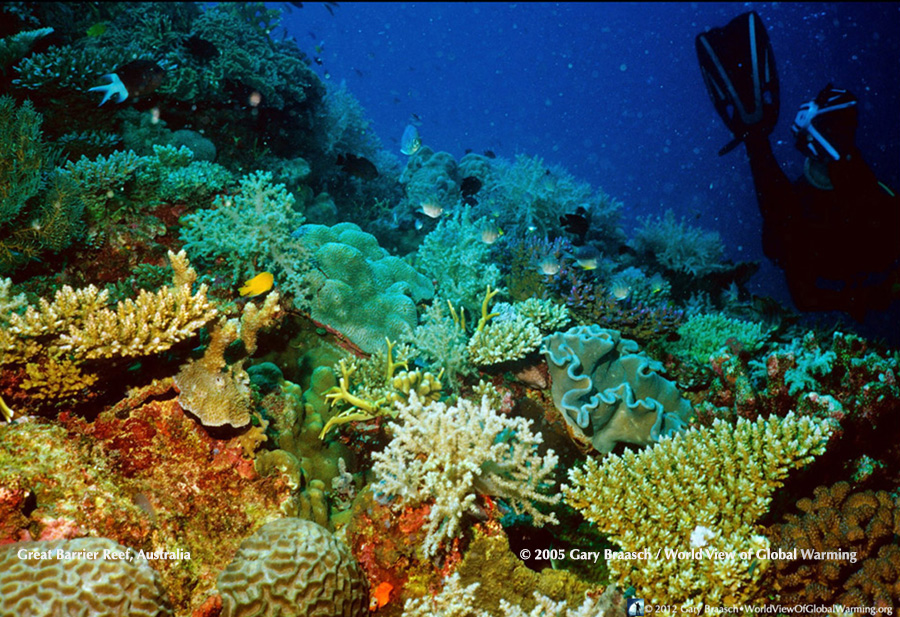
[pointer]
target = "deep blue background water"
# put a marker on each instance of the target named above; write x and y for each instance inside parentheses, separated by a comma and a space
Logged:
(610, 91)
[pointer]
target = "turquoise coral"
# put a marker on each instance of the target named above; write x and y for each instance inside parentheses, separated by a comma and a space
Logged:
(608, 392)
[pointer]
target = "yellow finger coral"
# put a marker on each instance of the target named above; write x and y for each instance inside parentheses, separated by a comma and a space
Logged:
(697, 492)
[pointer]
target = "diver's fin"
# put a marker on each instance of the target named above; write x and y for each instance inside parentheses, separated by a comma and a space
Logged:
(738, 68)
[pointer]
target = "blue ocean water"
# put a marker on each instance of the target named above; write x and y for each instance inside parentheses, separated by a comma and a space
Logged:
(610, 91)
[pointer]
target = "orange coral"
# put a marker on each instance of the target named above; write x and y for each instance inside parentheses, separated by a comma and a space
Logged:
(864, 524)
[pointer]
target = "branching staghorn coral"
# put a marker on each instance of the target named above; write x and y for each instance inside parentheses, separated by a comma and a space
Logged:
(448, 456)
(53, 339)
(701, 489)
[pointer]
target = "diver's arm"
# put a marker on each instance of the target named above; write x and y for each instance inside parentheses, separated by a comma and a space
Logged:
(774, 191)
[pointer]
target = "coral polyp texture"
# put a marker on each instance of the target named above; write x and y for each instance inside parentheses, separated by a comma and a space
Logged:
(78, 577)
(449, 456)
(704, 489)
(293, 568)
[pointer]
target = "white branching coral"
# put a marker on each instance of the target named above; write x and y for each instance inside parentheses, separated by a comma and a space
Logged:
(449, 455)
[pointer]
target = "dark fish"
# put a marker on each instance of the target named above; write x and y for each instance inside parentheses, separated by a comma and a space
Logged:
(357, 166)
(468, 150)
(200, 48)
(330, 6)
(577, 224)
(490, 154)
(141, 77)
(469, 186)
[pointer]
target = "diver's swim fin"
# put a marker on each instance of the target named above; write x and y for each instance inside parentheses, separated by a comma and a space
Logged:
(738, 68)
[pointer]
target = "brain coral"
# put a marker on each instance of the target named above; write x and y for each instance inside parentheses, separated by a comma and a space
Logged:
(32, 586)
(293, 568)
(607, 391)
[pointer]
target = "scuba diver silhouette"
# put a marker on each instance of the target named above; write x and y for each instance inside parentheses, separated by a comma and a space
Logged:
(836, 231)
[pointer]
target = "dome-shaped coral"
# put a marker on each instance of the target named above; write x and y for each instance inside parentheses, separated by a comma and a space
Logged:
(293, 568)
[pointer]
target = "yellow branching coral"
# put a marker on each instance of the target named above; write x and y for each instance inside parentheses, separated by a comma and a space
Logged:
(55, 337)
(501, 341)
(698, 493)
(377, 387)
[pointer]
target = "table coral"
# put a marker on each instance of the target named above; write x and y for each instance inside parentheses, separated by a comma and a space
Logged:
(719, 481)
(55, 338)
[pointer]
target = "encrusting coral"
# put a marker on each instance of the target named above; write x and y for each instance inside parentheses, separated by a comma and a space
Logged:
(704, 490)
(448, 456)
(216, 392)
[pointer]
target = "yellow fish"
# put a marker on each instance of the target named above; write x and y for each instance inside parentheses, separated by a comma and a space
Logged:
(259, 284)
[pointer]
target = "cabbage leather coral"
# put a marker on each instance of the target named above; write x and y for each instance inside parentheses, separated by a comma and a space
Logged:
(608, 392)
(703, 489)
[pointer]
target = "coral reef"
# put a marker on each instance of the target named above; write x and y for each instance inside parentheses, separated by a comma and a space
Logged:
(449, 456)
(701, 489)
(608, 392)
(293, 568)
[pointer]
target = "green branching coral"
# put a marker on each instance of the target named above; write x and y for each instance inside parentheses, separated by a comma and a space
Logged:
(16, 46)
(251, 231)
(454, 256)
(703, 335)
(530, 195)
(40, 209)
(441, 341)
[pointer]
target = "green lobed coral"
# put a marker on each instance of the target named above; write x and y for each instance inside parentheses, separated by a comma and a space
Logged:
(359, 289)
